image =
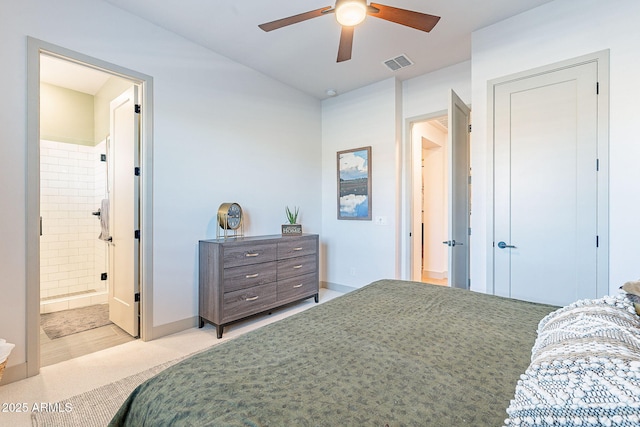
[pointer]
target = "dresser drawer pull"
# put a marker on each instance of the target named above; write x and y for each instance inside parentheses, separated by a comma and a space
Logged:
(251, 276)
(251, 298)
(295, 267)
(251, 254)
(298, 286)
(297, 249)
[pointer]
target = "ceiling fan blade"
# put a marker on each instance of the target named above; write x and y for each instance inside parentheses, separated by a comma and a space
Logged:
(274, 25)
(346, 42)
(409, 18)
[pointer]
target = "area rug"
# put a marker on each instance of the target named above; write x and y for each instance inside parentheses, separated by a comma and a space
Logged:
(68, 322)
(94, 408)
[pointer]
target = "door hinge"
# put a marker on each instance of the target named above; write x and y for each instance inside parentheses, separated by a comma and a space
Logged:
(469, 231)
(597, 88)
(103, 276)
(597, 241)
(136, 234)
(597, 165)
(469, 128)
(136, 297)
(469, 179)
(137, 108)
(136, 171)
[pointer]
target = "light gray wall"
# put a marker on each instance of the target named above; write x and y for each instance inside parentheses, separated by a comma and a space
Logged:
(551, 33)
(222, 132)
(423, 96)
(429, 93)
(554, 32)
(359, 252)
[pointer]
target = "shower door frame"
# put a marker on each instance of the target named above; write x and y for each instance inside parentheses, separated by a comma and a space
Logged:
(35, 48)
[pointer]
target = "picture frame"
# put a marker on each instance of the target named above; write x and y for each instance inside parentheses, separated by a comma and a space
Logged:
(354, 184)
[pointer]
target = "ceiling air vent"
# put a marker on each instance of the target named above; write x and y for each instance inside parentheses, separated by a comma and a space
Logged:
(398, 62)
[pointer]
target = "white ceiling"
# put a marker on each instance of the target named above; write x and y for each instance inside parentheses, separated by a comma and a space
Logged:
(69, 75)
(303, 55)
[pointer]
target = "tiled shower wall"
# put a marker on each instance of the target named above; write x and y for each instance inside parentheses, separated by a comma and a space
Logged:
(72, 258)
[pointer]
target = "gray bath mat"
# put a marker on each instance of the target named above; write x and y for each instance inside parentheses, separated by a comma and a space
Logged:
(67, 322)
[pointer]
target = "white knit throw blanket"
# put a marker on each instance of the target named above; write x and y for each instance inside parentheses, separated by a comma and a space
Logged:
(585, 368)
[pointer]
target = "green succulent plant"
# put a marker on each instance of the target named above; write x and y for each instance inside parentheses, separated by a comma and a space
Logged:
(292, 216)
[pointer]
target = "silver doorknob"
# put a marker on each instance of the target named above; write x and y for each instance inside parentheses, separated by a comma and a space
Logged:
(503, 245)
(447, 242)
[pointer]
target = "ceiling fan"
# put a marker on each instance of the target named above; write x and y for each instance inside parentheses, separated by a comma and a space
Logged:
(350, 13)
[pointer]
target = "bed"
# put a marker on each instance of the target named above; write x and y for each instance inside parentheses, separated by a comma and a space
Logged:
(393, 353)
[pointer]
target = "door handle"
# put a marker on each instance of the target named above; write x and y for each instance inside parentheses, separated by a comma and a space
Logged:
(503, 245)
(452, 243)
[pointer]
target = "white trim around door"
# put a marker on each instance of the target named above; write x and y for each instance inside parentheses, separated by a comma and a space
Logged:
(600, 237)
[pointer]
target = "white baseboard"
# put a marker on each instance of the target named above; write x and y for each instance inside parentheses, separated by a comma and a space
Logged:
(14, 373)
(336, 287)
(173, 327)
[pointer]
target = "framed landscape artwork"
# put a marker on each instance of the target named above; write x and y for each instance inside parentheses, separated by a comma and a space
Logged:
(354, 184)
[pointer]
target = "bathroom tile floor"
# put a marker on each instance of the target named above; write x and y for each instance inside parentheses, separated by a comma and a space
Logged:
(75, 345)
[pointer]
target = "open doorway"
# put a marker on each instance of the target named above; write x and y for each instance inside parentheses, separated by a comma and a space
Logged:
(86, 118)
(432, 135)
(76, 195)
(440, 196)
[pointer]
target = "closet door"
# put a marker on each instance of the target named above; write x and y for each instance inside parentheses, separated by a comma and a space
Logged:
(546, 186)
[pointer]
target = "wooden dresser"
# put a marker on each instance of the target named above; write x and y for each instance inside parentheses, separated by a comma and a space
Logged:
(243, 276)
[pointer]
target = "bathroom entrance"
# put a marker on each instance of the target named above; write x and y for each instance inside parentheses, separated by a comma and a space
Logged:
(89, 209)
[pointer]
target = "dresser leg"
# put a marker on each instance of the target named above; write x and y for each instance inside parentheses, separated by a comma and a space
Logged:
(316, 297)
(219, 329)
(200, 322)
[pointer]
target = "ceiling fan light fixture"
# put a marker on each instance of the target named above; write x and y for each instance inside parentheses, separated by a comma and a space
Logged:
(350, 12)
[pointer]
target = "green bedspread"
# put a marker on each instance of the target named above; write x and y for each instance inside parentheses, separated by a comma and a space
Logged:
(392, 353)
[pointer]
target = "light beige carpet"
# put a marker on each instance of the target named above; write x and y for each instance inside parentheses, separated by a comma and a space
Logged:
(94, 408)
(67, 322)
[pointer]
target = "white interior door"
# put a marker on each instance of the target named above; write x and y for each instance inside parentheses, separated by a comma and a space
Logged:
(459, 195)
(545, 186)
(124, 213)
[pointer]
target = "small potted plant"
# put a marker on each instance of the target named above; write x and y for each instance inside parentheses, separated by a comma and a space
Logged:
(292, 228)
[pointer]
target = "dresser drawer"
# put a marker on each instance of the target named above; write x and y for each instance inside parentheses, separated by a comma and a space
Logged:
(297, 287)
(296, 247)
(247, 276)
(244, 276)
(245, 302)
(292, 267)
(249, 254)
